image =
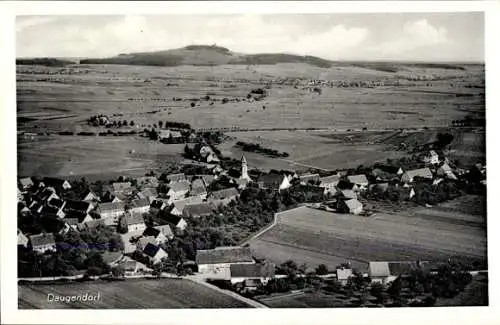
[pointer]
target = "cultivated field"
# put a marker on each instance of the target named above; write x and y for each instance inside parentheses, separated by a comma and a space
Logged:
(130, 294)
(313, 237)
(93, 157)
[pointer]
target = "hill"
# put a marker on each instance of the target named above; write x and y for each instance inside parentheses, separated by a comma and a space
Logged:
(206, 55)
(49, 62)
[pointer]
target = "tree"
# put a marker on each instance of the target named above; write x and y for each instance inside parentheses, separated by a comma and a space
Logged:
(444, 139)
(153, 135)
(377, 290)
(132, 123)
(118, 271)
(160, 124)
(125, 123)
(322, 269)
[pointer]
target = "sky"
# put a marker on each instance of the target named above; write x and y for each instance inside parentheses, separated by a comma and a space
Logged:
(374, 36)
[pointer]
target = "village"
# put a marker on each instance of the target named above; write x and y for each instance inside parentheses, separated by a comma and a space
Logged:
(168, 224)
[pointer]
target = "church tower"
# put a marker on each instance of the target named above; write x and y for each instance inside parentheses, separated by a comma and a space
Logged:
(244, 169)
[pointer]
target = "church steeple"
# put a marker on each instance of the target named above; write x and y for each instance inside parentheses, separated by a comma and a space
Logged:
(244, 168)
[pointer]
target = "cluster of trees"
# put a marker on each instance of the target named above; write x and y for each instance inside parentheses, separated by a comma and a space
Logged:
(255, 147)
(104, 120)
(175, 125)
(470, 121)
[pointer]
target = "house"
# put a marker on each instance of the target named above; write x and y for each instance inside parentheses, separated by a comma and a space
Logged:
(144, 241)
(111, 210)
(139, 206)
(58, 207)
(147, 181)
(132, 267)
(352, 206)
(446, 171)
(46, 210)
(78, 206)
(56, 183)
(176, 221)
(46, 194)
(135, 222)
(207, 179)
(260, 272)
(431, 158)
(178, 190)
(241, 183)
(208, 155)
(225, 196)
(347, 194)
(147, 193)
(409, 175)
(386, 272)
(343, 275)
(111, 258)
(174, 178)
(72, 223)
(346, 185)
(88, 195)
(197, 210)
(81, 217)
(274, 181)
(177, 207)
(329, 183)
(122, 187)
(198, 188)
(216, 263)
(155, 253)
(309, 179)
(159, 204)
(22, 240)
(43, 242)
(389, 169)
(160, 234)
(25, 183)
(93, 224)
(360, 180)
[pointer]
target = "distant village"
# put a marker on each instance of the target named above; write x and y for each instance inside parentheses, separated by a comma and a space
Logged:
(127, 227)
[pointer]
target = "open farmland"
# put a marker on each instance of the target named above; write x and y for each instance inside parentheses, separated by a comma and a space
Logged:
(130, 294)
(93, 157)
(315, 236)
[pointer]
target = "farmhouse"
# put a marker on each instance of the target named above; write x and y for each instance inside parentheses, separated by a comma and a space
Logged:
(174, 178)
(132, 267)
(22, 240)
(56, 183)
(217, 262)
(144, 241)
(155, 253)
(177, 207)
(347, 194)
(178, 190)
(309, 179)
(225, 196)
(274, 181)
(78, 206)
(88, 195)
(258, 272)
(148, 181)
(197, 210)
(386, 272)
(122, 187)
(360, 180)
(159, 204)
(147, 193)
(159, 233)
(329, 183)
(352, 206)
(111, 210)
(198, 188)
(25, 183)
(43, 242)
(343, 275)
(135, 222)
(139, 206)
(408, 176)
(346, 185)
(176, 221)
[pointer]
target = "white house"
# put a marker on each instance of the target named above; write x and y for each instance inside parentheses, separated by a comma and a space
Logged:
(360, 180)
(329, 183)
(216, 263)
(22, 240)
(160, 234)
(43, 242)
(111, 210)
(139, 206)
(178, 190)
(26, 183)
(135, 222)
(352, 206)
(155, 253)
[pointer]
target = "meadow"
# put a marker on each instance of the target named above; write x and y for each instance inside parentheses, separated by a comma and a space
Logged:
(313, 236)
(129, 294)
(53, 99)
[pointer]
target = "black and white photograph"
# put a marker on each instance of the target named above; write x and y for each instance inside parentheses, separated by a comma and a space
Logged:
(248, 160)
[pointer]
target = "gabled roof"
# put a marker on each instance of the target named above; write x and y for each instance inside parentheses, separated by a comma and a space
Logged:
(111, 257)
(358, 179)
(56, 203)
(224, 255)
(134, 219)
(111, 207)
(389, 169)
(72, 221)
(121, 186)
(422, 172)
(147, 180)
(165, 230)
(309, 177)
(53, 182)
(26, 181)
(271, 179)
(348, 194)
(151, 250)
(353, 204)
(145, 240)
(384, 269)
(207, 179)
(180, 204)
(176, 177)
(256, 270)
(173, 220)
(86, 193)
(198, 209)
(344, 274)
(158, 203)
(379, 269)
(345, 185)
(76, 215)
(139, 203)
(198, 187)
(333, 179)
(179, 186)
(77, 205)
(91, 224)
(42, 239)
(224, 193)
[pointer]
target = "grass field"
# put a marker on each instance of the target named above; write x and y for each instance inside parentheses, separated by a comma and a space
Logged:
(131, 294)
(313, 237)
(305, 300)
(93, 157)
